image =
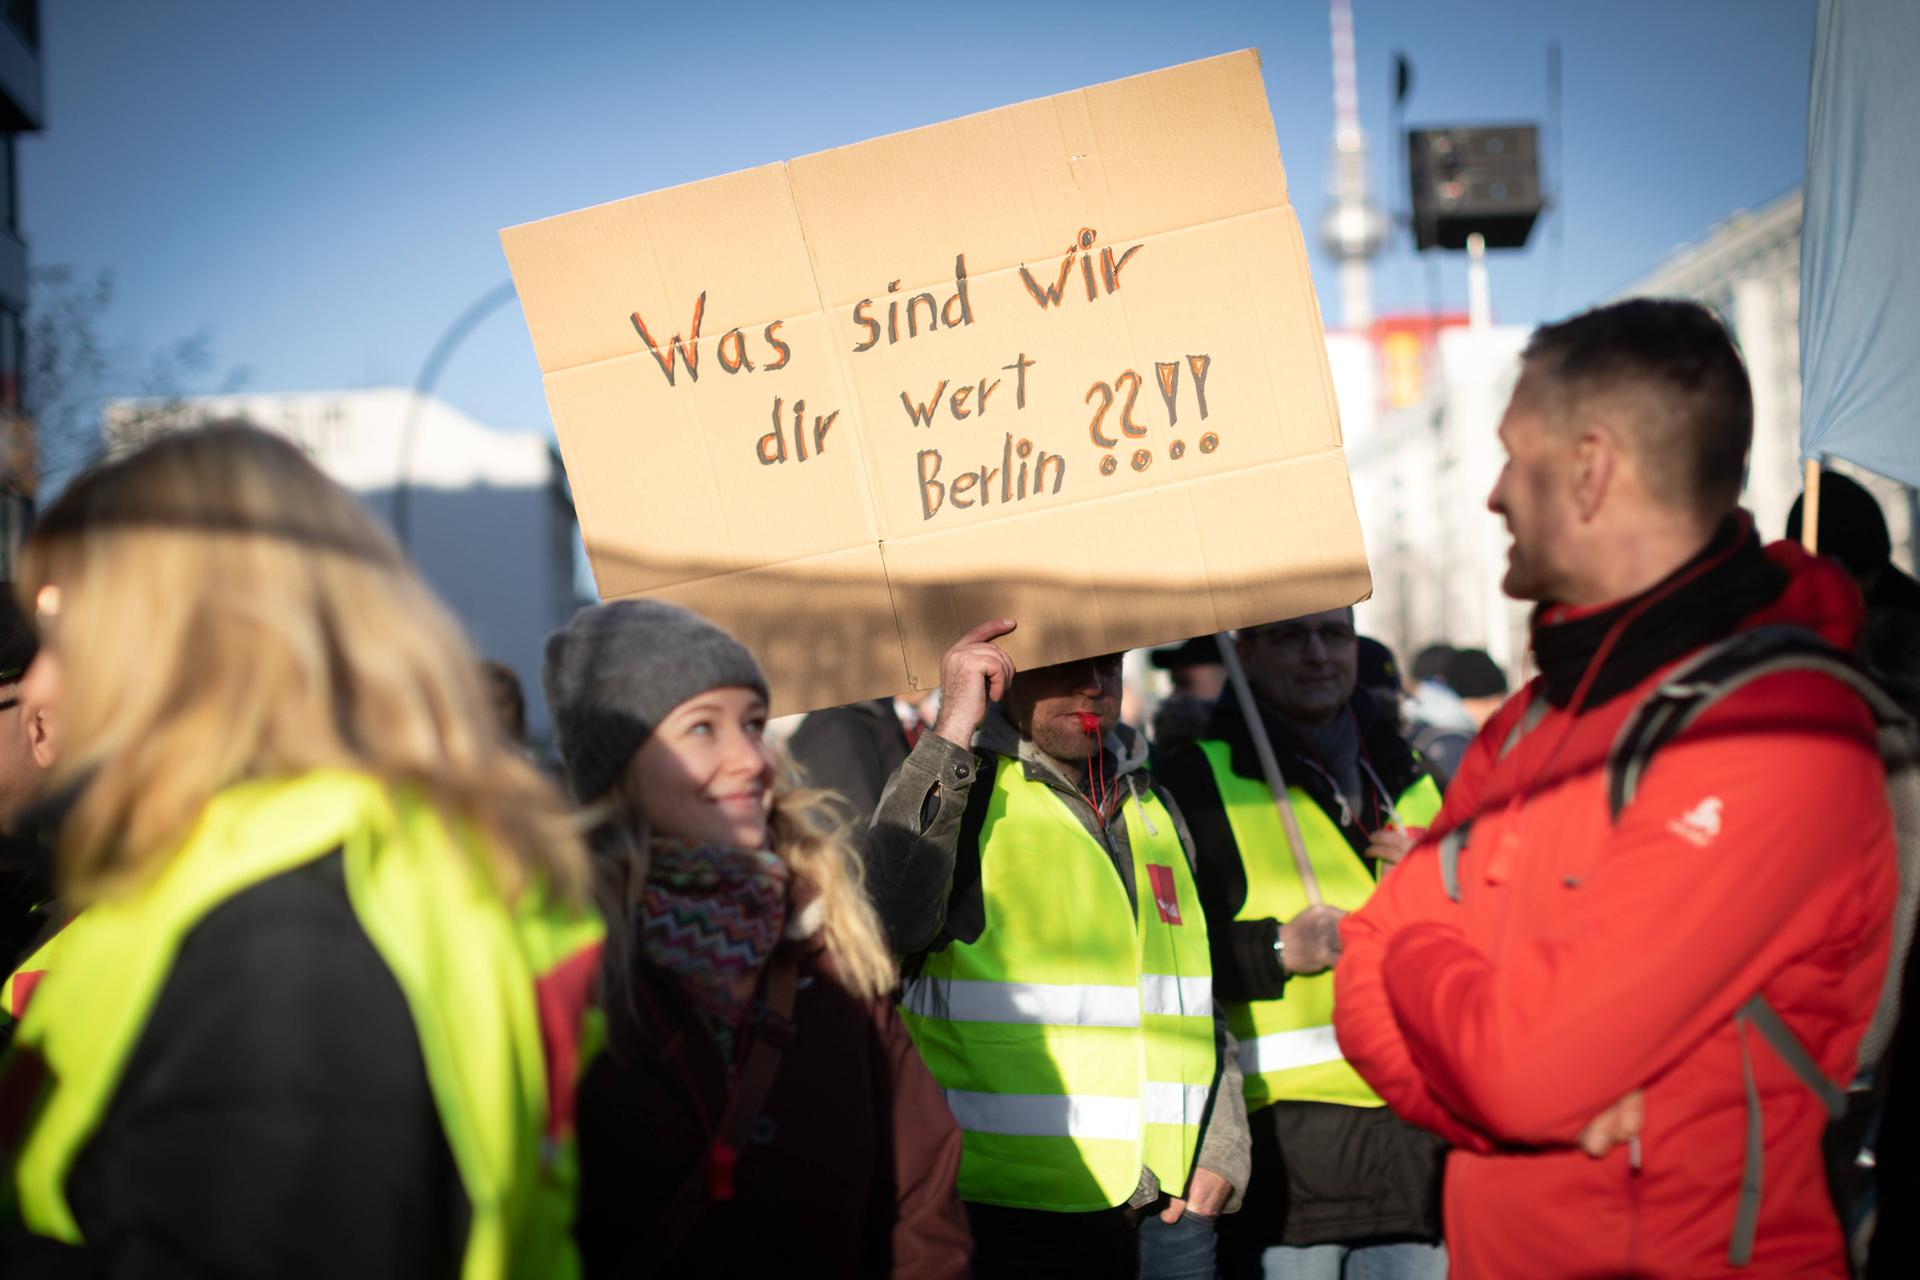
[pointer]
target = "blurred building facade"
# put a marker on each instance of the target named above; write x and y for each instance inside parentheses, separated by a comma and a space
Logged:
(491, 523)
(1747, 269)
(22, 110)
(1420, 399)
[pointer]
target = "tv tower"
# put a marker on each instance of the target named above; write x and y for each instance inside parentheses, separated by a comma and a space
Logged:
(1353, 229)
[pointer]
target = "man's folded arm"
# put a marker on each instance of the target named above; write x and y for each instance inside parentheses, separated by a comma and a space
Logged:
(1370, 1037)
(1672, 929)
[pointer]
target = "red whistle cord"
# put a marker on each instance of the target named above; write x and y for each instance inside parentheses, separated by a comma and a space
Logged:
(1101, 791)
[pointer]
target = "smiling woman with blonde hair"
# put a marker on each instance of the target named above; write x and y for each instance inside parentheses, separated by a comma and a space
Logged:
(763, 1107)
(317, 1013)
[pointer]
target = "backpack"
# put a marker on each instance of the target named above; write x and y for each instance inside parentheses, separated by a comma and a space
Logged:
(1853, 1105)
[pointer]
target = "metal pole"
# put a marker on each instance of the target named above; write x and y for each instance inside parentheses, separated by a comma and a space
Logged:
(1479, 290)
(456, 333)
(1269, 767)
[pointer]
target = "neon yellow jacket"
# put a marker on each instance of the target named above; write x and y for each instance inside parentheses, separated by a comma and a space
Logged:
(1074, 1037)
(1288, 1051)
(495, 992)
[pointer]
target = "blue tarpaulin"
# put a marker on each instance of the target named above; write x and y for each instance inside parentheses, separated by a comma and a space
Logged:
(1860, 242)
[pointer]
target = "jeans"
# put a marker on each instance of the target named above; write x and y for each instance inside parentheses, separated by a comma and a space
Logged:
(1182, 1250)
(1404, 1261)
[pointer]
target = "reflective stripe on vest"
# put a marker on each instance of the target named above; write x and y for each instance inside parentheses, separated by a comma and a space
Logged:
(472, 971)
(1074, 1036)
(961, 1000)
(1059, 1116)
(1288, 1050)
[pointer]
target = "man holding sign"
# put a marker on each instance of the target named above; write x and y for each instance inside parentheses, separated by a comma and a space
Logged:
(1059, 985)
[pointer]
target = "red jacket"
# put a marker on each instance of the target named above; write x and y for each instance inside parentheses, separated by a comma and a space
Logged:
(1587, 959)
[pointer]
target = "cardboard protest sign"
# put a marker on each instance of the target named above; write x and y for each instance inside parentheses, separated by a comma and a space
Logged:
(1060, 362)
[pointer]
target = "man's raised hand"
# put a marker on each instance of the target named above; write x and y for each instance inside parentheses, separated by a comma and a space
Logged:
(974, 674)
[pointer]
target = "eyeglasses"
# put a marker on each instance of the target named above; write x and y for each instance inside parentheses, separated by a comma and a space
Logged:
(1295, 638)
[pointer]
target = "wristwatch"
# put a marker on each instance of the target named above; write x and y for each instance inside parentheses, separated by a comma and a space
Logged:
(1279, 947)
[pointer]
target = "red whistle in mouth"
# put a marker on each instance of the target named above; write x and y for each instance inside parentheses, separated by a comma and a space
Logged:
(1089, 723)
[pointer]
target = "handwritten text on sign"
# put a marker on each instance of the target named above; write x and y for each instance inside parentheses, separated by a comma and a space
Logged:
(1115, 426)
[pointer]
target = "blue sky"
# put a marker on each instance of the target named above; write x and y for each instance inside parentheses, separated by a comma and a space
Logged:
(321, 185)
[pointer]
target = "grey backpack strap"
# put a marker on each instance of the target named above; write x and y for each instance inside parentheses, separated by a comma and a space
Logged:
(1455, 841)
(1746, 1215)
(1529, 721)
(1709, 676)
(1760, 1015)
(1450, 846)
(1776, 1033)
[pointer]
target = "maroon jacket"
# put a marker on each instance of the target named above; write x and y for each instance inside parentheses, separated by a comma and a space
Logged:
(852, 1167)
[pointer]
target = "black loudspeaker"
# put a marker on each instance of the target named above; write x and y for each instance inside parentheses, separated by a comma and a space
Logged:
(1483, 178)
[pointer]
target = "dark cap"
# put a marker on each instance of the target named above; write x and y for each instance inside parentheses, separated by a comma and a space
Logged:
(1852, 528)
(1431, 663)
(1200, 651)
(1471, 673)
(1375, 667)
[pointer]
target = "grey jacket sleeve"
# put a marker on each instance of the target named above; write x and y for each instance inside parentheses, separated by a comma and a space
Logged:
(910, 847)
(1226, 1144)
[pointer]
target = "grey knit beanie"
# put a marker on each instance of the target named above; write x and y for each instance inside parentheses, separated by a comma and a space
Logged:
(618, 669)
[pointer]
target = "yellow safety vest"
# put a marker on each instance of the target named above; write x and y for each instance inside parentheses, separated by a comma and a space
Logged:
(1074, 1037)
(1288, 1051)
(475, 972)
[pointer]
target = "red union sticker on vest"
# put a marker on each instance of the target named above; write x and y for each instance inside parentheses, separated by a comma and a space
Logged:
(1165, 895)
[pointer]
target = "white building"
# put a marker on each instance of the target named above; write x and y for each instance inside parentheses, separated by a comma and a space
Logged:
(490, 523)
(1420, 402)
(1747, 269)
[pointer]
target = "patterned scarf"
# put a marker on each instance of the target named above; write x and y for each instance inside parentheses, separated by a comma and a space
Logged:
(711, 916)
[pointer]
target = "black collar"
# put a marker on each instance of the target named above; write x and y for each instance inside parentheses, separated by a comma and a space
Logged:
(1702, 601)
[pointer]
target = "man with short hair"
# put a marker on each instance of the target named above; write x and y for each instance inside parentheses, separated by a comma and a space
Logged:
(1551, 983)
(1340, 1185)
(1039, 884)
